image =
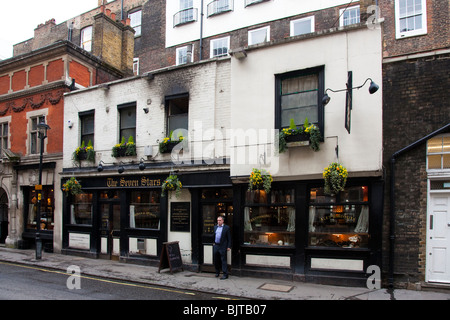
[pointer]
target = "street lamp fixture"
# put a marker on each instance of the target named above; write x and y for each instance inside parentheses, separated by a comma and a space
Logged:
(42, 134)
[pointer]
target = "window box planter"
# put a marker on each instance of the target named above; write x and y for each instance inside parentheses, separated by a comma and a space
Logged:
(124, 149)
(167, 145)
(84, 153)
(306, 135)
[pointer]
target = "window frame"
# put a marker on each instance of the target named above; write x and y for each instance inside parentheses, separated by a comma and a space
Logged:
(121, 108)
(82, 117)
(179, 52)
(133, 19)
(293, 22)
(4, 137)
(168, 99)
(83, 41)
(342, 12)
(320, 71)
(445, 151)
(213, 41)
(34, 134)
(416, 32)
(251, 32)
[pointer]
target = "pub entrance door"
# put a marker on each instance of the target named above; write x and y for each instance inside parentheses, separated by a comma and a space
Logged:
(214, 203)
(110, 227)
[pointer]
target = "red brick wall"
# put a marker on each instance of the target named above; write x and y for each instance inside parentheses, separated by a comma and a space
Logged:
(19, 80)
(80, 73)
(36, 76)
(55, 70)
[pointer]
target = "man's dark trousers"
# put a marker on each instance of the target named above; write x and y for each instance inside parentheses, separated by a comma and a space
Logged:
(220, 250)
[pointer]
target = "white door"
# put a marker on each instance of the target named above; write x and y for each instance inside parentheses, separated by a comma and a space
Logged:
(438, 238)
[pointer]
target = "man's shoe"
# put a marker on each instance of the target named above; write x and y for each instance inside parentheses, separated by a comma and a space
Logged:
(224, 277)
(217, 275)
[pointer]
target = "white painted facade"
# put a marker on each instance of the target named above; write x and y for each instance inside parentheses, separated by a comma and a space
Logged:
(253, 105)
(239, 17)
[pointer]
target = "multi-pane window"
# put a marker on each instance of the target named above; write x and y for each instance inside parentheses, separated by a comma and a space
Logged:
(145, 209)
(302, 26)
(87, 128)
(299, 94)
(86, 38)
(259, 35)
(136, 21)
(438, 152)
(177, 112)
(136, 66)
(127, 115)
(34, 134)
(410, 17)
(220, 47)
(184, 54)
(339, 221)
(349, 16)
(186, 14)
(4, 132)
(269, 218)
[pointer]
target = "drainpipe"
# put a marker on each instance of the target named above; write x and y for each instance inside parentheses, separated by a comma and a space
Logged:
(201, 32)
(445, 128)
(121, 11)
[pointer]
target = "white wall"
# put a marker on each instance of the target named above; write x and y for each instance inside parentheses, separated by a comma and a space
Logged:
(240, 17)
(253, 103)
(208, 85)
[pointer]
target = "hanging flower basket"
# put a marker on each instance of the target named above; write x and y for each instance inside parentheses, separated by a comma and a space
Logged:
(260, 180)
(172, 183)
(72, 186)
(335, 177)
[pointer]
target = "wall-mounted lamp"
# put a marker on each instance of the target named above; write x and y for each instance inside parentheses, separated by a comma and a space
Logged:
(142, 164)
(146, 110)
(121, 168)
(349, 96)
(372, 89)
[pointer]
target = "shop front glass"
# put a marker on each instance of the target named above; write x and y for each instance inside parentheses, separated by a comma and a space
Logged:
(81, 209)
(145, 209)
(47, 208)
(341, 220)
(269, 219)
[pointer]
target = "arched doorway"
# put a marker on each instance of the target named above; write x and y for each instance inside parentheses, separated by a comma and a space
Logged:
(3, 215)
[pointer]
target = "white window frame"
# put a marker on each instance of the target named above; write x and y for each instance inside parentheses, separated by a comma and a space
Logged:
(252, 32)
(180, 53)
(86, 43)
(5, 121)
(341, 15)
(311, 21)
(136, 22)
(398, 33)
(29, 116)
(136, 66)
(218, 41)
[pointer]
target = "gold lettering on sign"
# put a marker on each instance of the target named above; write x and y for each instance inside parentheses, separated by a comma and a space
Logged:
(143, 182)
(110, 183)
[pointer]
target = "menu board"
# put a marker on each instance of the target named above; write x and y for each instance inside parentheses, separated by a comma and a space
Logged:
(180, 217)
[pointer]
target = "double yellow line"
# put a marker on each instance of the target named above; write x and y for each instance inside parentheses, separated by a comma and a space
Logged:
(99, 279)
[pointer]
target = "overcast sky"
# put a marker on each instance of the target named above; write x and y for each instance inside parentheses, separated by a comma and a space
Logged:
(20, 18)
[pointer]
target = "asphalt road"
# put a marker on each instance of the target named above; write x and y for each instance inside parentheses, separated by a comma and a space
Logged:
(21, 282)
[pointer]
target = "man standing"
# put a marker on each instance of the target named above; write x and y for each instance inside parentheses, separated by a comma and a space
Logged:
(222, 244)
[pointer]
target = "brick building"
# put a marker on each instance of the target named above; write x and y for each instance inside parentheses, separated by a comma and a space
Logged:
(32, 87)
(263, 45)
(416, 117)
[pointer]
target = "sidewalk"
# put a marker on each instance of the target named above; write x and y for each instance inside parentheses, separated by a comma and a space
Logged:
(245, 287)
